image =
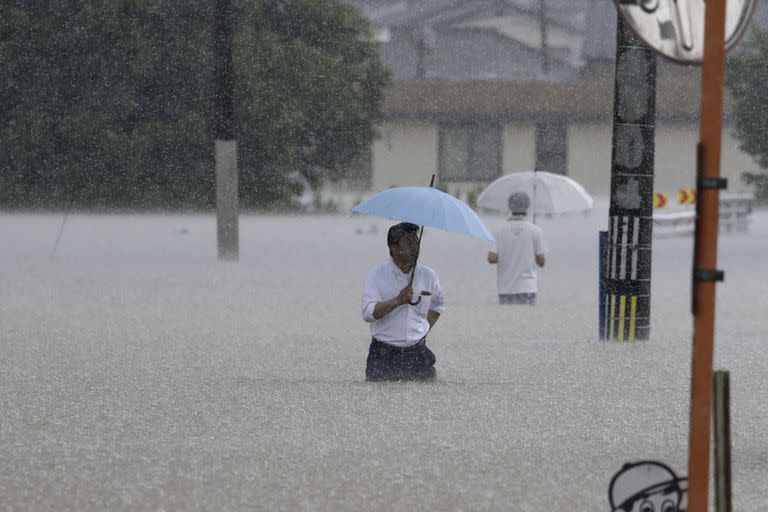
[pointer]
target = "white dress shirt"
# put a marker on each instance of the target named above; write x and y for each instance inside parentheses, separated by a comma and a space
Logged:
(405, 325)
(517, 245)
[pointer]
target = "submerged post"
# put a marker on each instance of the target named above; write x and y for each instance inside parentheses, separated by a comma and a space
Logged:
(722, 423)
(602, 255)
(227, 207)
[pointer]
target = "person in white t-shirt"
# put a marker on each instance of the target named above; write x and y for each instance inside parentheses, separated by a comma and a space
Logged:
(519, 249)
(399, 324)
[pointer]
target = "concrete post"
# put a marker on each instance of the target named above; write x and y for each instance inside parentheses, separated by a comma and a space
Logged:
(227, 203)
(227, 206)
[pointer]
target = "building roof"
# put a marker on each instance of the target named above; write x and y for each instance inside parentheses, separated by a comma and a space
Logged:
(588, 95)
(592, 21)
(566, 21)
(516, 20)
(677, 98)
(394, 13)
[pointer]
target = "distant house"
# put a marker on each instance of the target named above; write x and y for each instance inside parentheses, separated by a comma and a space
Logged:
(486, 87)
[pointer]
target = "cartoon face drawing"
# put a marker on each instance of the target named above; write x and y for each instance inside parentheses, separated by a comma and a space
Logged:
(675, 28)
(665, 502)
(647, 486)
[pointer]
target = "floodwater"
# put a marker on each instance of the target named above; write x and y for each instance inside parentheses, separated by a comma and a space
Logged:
(138, 373)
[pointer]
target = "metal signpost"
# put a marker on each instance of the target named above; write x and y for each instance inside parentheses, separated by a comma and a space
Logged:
(685, 31)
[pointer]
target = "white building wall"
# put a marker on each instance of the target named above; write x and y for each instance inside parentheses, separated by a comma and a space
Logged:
(589, 158)
(676, 159)
(519, 148)
(518, 154)
(405, 154)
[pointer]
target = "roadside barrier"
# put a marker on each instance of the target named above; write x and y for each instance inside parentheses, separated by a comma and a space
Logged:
(686, 196)
(735, 209)
(659, 200)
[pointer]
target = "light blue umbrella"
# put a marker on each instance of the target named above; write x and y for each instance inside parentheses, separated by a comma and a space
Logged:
(425, 206)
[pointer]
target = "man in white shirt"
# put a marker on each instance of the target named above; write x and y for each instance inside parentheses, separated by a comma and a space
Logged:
(520, 248)
(399, 324)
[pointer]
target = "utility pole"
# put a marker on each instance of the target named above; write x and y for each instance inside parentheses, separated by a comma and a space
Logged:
(227, 207)
(545, 64)
(627, 278)
(425, 43)
(697, 33)
(705, 273)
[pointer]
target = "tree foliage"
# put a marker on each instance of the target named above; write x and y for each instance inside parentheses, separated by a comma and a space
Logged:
(108, 104)
(746, 74)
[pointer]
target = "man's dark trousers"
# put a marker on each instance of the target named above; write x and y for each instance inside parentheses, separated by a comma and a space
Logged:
(387, 362)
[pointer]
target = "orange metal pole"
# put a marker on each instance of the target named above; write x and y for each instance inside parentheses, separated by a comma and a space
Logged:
(705, 258)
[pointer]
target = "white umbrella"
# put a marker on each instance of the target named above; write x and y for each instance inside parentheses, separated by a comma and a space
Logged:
(549, 193)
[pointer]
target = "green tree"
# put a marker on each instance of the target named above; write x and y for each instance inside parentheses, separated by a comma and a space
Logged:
(108, 103)
(746, 74)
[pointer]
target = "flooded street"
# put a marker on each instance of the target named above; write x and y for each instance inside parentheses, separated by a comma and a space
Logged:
(137, 372)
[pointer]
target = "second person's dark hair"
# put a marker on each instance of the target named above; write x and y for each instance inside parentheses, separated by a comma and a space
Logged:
(397, 232)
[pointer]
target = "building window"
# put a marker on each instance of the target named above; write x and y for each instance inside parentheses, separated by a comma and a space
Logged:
(469, 152)
(552, 147)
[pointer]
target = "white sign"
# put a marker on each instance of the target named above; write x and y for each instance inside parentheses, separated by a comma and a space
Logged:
(675, 28)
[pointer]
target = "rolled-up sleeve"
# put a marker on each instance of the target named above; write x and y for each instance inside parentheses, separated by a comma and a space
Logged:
(371, 296)
(437, 304)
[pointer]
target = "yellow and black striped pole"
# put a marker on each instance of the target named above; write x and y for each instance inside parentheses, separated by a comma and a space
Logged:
(621, 317)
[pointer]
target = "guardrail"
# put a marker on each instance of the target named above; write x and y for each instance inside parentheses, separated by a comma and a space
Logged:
(735, 210)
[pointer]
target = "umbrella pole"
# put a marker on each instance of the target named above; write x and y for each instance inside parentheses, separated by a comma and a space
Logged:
(534, 196)
(415, 260)
(418, 250)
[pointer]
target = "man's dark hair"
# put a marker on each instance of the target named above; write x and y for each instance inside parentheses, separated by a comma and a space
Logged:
(518, 203)
(397, 232)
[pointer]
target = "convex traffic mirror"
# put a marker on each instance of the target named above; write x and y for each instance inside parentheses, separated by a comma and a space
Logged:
(675, 28)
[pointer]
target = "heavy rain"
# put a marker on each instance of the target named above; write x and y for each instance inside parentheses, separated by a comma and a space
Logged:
(181, 271)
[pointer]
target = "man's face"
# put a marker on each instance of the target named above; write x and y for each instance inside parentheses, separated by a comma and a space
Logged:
(404, 252)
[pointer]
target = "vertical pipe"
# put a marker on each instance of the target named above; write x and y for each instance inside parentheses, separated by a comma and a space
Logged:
(705, 257)
(225, 150)
(602, 265)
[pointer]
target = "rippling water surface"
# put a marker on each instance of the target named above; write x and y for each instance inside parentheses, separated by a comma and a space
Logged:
(138, 373)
